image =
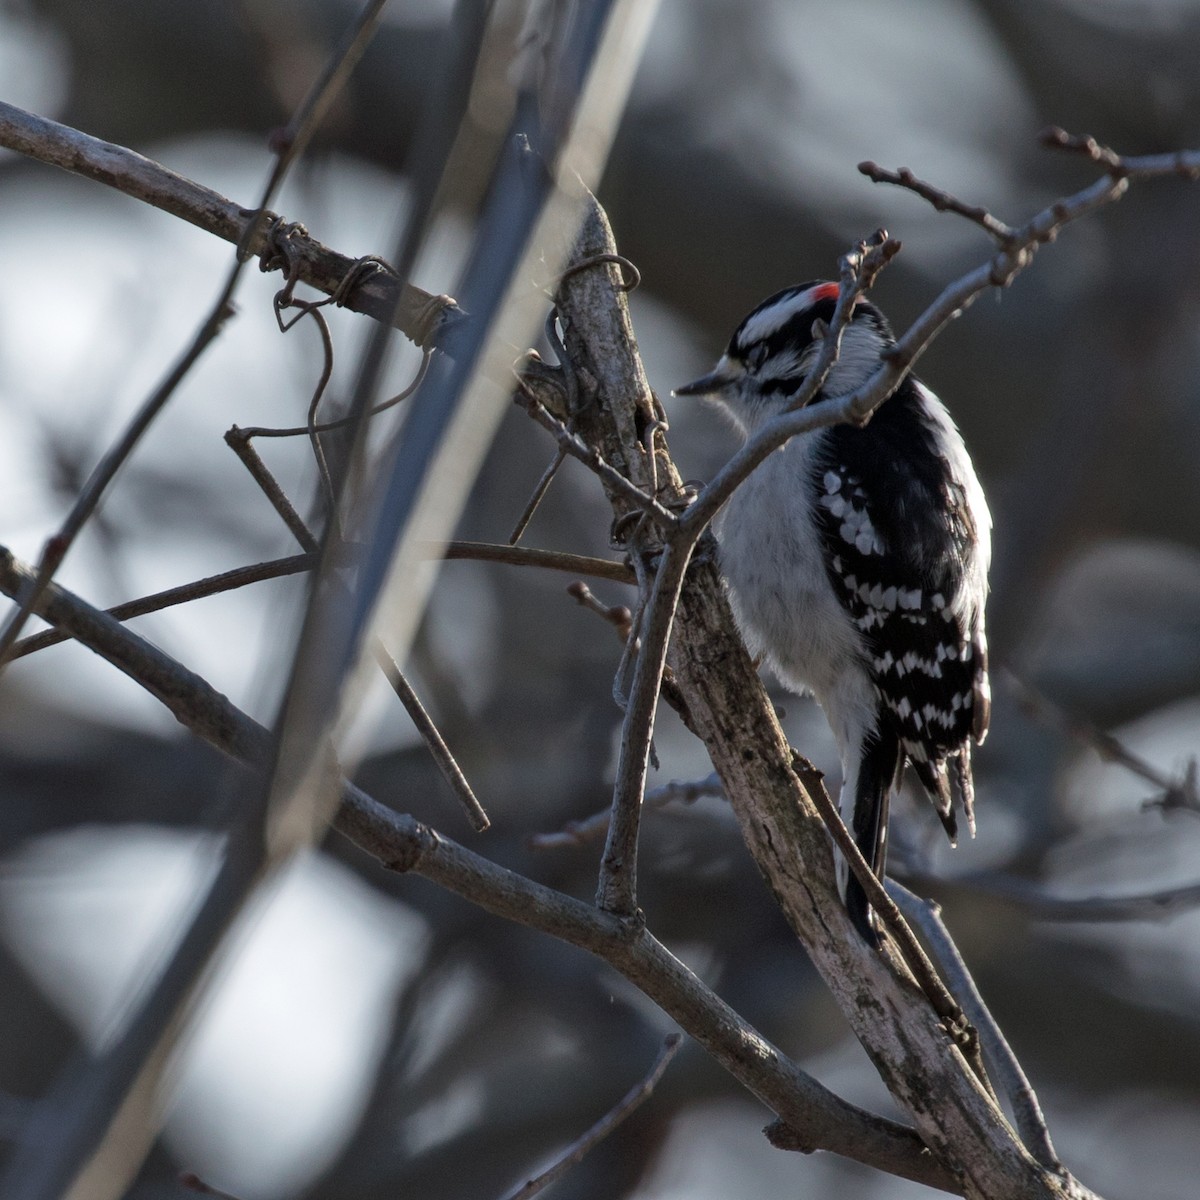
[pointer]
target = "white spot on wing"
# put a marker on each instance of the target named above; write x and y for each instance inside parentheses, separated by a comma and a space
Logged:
(865, 542)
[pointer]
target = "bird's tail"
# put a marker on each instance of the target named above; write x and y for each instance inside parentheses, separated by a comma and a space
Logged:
(881, 759)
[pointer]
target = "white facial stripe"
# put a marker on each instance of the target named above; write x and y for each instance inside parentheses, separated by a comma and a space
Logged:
(775, 316)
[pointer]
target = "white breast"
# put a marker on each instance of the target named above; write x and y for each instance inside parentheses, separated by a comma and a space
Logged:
(785, 605)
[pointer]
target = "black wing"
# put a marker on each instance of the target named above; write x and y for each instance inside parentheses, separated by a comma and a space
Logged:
(901, 556)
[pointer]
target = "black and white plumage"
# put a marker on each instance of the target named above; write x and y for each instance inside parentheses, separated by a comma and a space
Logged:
(857, 564)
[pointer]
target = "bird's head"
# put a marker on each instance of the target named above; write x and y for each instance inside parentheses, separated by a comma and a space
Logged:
(773, 349)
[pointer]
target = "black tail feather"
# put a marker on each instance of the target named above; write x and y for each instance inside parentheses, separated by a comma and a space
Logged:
(936, 782)
(960, 767)
(881, 763)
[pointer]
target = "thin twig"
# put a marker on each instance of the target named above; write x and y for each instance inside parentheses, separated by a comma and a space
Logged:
(447, 764)
(553, 560)
(238, 440)
(857, 272)
(631, 642)
(617, 888)
(626, 1106)
(1179, 164)
(572, 444)
(1031, 1124)
(1059, 139)
(943, 201)
(213, 585)
(538, 495)
(686, 791)
(625, 624)
(227, 581)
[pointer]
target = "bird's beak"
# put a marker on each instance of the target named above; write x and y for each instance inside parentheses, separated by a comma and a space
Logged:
(726, 372)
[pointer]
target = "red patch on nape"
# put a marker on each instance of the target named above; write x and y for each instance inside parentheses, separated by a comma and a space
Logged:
(825, 291)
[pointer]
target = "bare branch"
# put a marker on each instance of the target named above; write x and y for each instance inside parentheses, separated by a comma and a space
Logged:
(628, 1104)
(213, 585)
(238, 440)
(446, 763)
(943, 1002)
(422, 317)
(278, 568)
(1183, 164)
(401, 843)
(617, 889)
(553, 560)
(943, 201)
(537, 496)
(1003, 1062)
(1059, 139)
(857, 272)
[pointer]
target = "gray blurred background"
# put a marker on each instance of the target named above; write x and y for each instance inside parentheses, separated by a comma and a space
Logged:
(377, 1037)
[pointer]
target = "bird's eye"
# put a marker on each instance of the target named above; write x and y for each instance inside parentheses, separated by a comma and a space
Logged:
(756, 356)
